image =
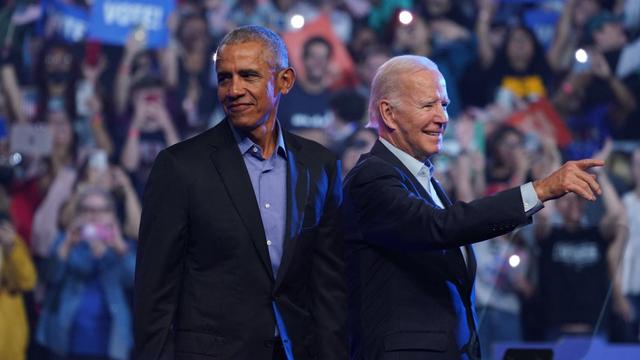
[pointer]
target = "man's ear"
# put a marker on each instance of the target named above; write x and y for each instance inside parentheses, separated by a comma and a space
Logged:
(286, 78)
(386, 114)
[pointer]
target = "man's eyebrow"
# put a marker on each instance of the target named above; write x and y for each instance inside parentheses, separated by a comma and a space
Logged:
(248, 72)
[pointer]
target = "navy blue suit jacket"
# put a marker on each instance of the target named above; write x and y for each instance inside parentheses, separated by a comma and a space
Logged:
(204, 282)
(410, 290)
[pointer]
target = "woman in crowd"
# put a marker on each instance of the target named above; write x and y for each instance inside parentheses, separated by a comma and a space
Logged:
(86, 312)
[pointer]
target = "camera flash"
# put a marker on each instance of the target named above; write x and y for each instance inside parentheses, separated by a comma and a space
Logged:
(405, 17)
(514, 260)
(581, 56)
(297, 21)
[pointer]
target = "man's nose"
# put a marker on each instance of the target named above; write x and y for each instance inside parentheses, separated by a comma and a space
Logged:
(236, 88)
(442, 115)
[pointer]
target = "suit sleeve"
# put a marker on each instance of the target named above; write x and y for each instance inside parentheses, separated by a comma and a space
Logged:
(327, 280)
(389, 215)
(159, 262)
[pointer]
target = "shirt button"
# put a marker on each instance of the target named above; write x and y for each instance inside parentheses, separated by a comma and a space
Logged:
(269, 242)
(254, 149)
(267, 205)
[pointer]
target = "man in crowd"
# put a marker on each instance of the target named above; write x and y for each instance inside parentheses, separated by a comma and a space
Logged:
(240, 253)
(306, 110)
(410, 266)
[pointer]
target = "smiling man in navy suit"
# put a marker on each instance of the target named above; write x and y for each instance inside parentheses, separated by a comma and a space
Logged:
(240, 253)
(410, 266)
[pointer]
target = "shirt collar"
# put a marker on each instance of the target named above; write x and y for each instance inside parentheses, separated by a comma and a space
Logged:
(413, 164)
(245, 143)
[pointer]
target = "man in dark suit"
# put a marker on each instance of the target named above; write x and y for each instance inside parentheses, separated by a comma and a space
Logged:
(410, 266)
(240, 253)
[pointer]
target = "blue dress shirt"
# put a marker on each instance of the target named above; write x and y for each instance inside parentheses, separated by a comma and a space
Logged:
(269, 182)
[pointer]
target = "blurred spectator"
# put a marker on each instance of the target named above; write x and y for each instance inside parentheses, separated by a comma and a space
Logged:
(609, 38)
(151, 129)
(217, 13)
(593, 102)
(631, 250)
(570, 31)
(358, 143)
(35, 176)
(90, 126)
(17, 276)
(364, 41)
(501, 281)
(381, 13)
(98, 172)
(190, 70)
(305, 110)
(249, 12)
(578, 260)
(443, 41)
(348, 109)
(10, 90)
(518, 70)
(508, 163)
(372, 57)
(86, 312)
(57, 74)
(136, 63)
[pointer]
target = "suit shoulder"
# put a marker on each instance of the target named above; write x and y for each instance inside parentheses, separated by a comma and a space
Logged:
(369, 168)
(188, 145)
(312, 149)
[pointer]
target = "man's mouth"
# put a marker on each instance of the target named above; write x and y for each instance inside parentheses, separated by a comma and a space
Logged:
(238, 107)
(433, 133)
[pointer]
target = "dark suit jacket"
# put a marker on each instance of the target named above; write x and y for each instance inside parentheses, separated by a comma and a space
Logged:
(410, 291)
(204, 283)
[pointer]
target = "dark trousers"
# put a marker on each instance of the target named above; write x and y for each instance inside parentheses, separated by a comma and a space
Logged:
(278, 350)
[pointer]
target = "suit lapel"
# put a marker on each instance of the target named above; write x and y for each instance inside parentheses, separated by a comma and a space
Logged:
(228, 162)
(381, 151)
(297, 191)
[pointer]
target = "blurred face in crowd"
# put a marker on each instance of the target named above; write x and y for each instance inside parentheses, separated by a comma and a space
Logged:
(194, 33)
(60, 127)
(417, 117)
(414, 36)
(363, 38)
(437, 8)
(571, 208)
(584, 10)
(610, 36)
(316, 61)
(58, 64)
(520, 48)
(150, 100)
(96, 208)
(361, 142)
(249, 85)
(508, 145)
(367, 70)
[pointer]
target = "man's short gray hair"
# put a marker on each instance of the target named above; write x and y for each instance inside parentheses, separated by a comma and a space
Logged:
(387, 83)
(268, 38)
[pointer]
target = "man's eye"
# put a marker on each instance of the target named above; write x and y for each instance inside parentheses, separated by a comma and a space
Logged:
(445, 104)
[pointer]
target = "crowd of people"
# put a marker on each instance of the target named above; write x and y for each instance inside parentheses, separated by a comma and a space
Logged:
(82, 122)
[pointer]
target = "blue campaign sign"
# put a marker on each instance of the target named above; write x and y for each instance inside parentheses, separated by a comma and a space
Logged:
(112, 20)
(70, 22)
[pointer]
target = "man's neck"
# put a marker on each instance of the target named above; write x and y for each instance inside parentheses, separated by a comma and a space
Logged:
(265, 136)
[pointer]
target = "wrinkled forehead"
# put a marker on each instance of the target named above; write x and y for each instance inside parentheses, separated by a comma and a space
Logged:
(427, 78)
